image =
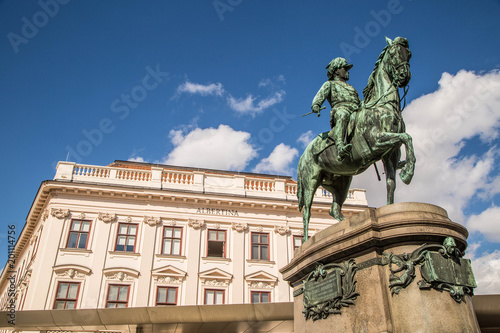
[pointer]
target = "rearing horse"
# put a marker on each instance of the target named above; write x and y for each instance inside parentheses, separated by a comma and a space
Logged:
(378, 134)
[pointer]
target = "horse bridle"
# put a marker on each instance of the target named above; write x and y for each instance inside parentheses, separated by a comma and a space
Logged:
(395, 81)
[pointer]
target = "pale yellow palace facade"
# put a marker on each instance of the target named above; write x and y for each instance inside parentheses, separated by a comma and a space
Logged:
(135, 234)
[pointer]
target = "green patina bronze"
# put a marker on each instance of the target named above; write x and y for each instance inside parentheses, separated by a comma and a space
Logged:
(362, 132)
(441, 267)
(327, 289)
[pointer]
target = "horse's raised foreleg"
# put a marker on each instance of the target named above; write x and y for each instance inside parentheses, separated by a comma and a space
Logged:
(339, 187)
(386, 141)
(391, 161)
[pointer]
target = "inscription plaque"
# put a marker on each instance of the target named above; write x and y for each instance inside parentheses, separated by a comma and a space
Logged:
(323, 289)
(441, 267)
(458, 272)
(327, 289)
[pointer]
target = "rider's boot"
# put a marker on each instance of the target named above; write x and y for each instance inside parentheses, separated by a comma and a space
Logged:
(343, 149)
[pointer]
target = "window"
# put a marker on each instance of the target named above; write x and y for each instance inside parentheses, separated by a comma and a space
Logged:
(125, 240)
(166, 296)
(260, 246)
(216, 243)
(297, 242)
(67, 295)
(214, 296)
(78, 234)
(172, 237)
(117, 296)
(261, 297)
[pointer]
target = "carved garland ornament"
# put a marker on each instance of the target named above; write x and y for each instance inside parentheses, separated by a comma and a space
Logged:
(443, 269)
(240, 227)
(45, 215)
(107, 217)
(59, 213)
(261, 285)
(196, 224)
(281, 229)
(122, 276)
(215, 282)
(152, 221)
(168, 279)
(71, 273)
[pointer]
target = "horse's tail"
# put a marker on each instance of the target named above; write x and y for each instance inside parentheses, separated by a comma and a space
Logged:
(300, 194)
(300, 185)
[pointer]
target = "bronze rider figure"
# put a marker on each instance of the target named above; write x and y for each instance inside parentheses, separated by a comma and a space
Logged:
(343, 99)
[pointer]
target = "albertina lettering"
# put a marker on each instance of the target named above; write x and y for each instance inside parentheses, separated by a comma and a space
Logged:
(217, 211)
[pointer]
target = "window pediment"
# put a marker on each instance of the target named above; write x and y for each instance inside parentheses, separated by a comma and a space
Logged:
(169, 270)
(215, 277)
(169, 274)
(72, 271)
(261, 279)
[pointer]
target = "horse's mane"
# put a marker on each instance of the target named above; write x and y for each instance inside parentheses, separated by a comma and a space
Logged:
(368, 91)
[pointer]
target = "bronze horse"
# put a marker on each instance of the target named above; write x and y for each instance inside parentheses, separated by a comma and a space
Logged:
(379, 132)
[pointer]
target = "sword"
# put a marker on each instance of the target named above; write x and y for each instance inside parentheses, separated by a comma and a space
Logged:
(324, 107)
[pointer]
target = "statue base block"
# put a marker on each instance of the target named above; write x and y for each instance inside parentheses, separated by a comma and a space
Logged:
(382, 271)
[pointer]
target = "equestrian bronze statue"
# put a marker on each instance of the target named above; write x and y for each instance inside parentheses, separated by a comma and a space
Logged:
(362, 132)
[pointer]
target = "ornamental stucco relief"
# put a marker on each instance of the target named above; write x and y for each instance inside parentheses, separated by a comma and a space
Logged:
(215, 282)
(71, 273)
(152, 221)
(261, 284)
(107, 217)
(122, 276)
(59, 213)
(282, 229)
(196, 224)
(45, 215)
(240, 227)
(168, 279)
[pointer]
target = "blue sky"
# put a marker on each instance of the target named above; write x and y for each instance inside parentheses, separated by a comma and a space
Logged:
(223, 84)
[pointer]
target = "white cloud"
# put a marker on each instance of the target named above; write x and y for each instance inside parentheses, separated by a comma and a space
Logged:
(306, 138)
(136, 159)
(204, 90)
(279, 161)
(215, 148)
(247, 105)
(488, 223)
(265, 83)
(274, 83)
(464, 106)
(486, 270)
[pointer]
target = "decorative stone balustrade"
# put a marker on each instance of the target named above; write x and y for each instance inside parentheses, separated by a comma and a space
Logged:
(196, 181)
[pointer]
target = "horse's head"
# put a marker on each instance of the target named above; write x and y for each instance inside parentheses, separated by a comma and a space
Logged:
(398, 61)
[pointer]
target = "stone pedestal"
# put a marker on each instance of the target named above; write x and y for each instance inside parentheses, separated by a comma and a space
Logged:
(368, 238)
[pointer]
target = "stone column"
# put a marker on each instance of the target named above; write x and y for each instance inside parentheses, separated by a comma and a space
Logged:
(193, 253)
(383, 301)
(47, 248)
(238, 250)
(151, 226)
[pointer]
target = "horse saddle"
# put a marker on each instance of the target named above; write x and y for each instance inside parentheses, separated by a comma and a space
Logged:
(327, 139)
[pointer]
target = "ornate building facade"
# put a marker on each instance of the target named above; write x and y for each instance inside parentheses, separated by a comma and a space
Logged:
(141, 235)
